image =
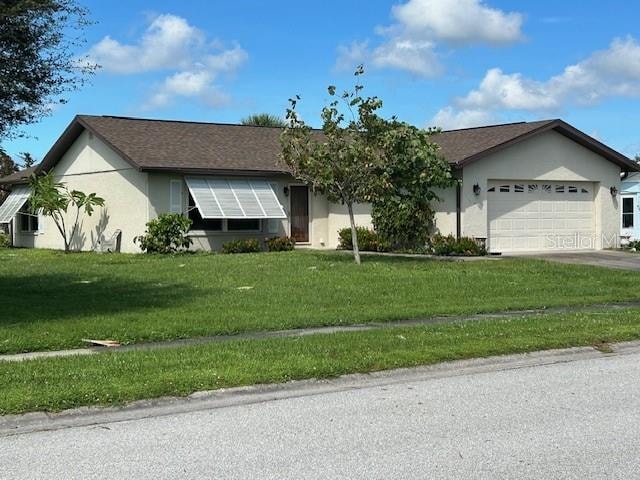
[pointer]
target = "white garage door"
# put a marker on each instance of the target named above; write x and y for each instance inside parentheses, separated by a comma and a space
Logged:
(533, 215)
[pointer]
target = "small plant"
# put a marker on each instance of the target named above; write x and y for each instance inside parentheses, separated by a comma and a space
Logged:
(166, 234)
(5, 240)
(280, 244)
(633, 245)
(249, 245)
(368, 240)
(450, 245)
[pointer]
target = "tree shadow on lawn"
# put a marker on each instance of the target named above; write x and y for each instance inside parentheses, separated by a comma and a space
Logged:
(56, 296)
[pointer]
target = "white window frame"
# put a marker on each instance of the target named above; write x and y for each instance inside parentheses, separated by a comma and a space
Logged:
(633, 212)
(176, 205)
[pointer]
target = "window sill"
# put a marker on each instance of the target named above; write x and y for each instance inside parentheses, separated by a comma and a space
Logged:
(215, 233)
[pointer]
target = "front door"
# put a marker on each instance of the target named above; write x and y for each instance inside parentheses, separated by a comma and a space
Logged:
(628, 212)
(299, 198)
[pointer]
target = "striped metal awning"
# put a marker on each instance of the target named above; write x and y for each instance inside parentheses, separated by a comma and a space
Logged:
(14, 202)
(217, 197)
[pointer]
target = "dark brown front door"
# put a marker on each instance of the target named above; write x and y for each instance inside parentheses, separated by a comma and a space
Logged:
(299, 197)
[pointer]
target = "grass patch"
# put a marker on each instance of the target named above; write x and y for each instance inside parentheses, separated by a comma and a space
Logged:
(114, 378)
(51, 300)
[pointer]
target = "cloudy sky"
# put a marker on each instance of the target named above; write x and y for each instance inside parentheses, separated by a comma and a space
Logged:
(447, 63)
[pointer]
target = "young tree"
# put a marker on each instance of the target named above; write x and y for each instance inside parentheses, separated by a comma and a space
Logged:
(54, 199)
(263, 120)
(360, 157)
(38, 64)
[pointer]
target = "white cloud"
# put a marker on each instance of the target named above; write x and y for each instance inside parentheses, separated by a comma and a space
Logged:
(415, 57)
(448, 118)
(459, 21)
(613, 72)
(167, 43)
(411, 42)
(171, 44)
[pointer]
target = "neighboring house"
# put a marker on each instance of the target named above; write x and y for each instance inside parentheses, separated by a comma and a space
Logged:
(629, 205)
(523, 186)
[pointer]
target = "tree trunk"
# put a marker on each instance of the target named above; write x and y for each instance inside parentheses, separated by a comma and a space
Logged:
(354, 234)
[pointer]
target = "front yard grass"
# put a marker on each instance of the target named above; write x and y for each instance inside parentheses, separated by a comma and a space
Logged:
(49, 300)
(114, 378)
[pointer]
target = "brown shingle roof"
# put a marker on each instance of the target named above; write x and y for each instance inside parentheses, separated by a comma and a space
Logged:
(174, 145)
(459, 145)
(213, 147)
(21, 176)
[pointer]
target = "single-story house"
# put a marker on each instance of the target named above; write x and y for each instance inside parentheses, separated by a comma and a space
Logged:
(629, 198)
(524, 186)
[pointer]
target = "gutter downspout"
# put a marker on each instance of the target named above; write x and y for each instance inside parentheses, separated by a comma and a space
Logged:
(458, 210)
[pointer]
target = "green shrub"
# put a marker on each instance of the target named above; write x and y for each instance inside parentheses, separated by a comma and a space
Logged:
(633, 245)
(249, 245)
(166, 234)
(280, 244)
(450, 245)
(368, 240)
(5, 240)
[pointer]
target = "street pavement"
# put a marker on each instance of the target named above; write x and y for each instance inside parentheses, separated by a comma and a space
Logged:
(566, 415)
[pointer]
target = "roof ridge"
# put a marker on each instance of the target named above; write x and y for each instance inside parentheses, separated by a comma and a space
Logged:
(501, 125)
(168, 120)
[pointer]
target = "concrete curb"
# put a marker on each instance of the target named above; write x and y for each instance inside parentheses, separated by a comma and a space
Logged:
(210, 400)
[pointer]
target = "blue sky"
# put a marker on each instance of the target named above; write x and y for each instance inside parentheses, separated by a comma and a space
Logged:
(448, 63)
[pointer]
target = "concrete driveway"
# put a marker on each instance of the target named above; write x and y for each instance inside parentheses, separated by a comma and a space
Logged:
(600, 258)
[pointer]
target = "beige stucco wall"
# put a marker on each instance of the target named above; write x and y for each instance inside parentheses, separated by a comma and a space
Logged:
(90, 166)
(549, 156)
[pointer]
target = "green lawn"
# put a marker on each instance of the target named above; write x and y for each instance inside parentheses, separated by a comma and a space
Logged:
(50, 300)
(114, 378)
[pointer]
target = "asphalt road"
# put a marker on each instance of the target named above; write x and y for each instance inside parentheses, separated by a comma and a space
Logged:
(566, 417)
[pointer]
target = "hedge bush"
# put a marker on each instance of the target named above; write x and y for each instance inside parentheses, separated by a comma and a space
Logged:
(450, 245)
(166, 234)
(5, 240)
(250, 245)
(280, 244)
(368, 240)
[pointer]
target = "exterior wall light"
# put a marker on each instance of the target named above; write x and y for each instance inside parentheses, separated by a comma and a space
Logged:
(614, 191)
(476, 189)
(286, 190)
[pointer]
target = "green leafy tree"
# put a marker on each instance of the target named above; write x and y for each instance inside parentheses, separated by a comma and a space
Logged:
(402, 211)
(27, 160)
(54, 199)
(38, 63)
(7, 167)
(168, 233)
(263, 120)
(361, 157)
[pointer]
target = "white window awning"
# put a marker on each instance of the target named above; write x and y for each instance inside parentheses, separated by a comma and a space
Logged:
(234, 198)
(14, 202)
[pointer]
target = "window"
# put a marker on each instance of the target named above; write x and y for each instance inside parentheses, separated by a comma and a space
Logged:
(559, 188)
(627, 212)
(243, 224)
(584, 190)
(504, 188)
(573, 189)
(199, 223)
(532, 187)
(546, 188)
(492, 189)
(518, 188)
(28, 221)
